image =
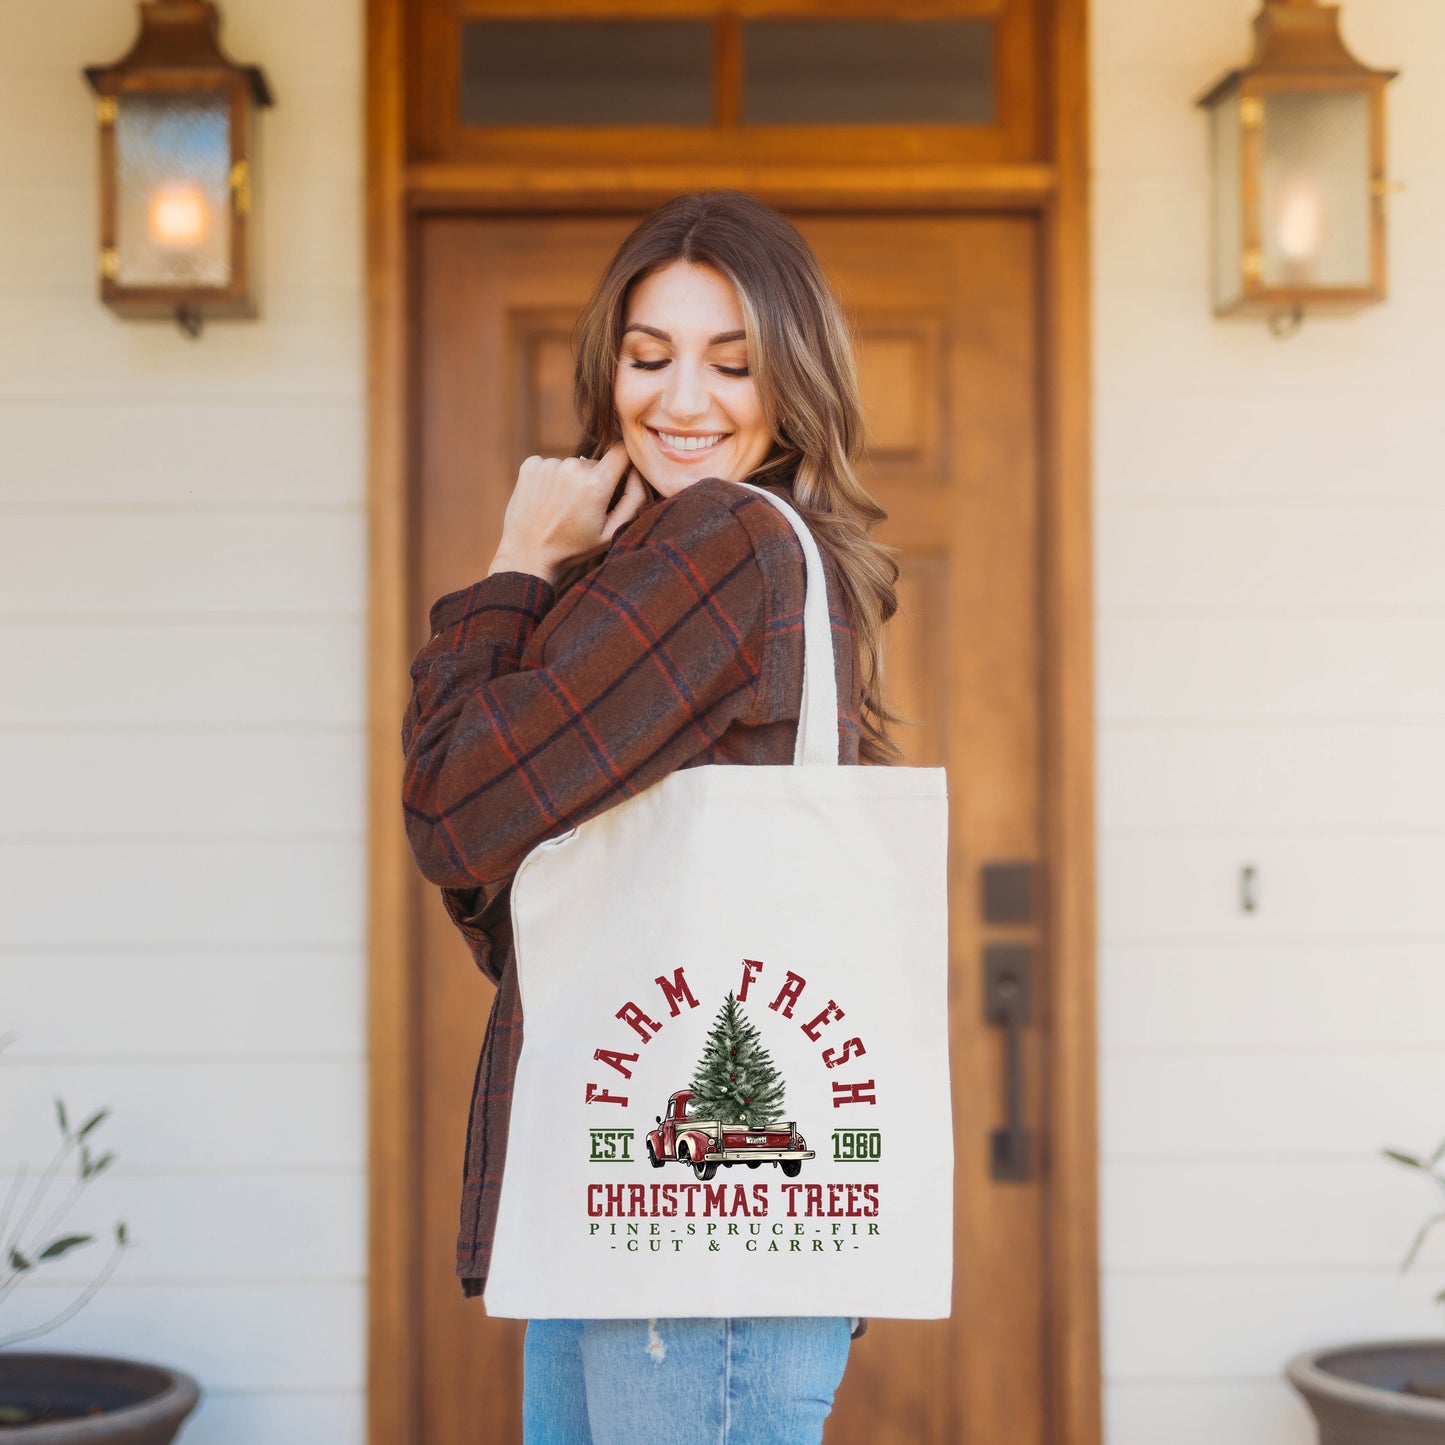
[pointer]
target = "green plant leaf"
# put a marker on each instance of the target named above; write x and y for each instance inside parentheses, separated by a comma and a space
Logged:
(1438, 1155)
(120, 1236)
(91, 1122)
(18, 1260)
(107, 1158)
(64, 1126)
(1400, 1157)
(1420, 1238)
(64, 1245)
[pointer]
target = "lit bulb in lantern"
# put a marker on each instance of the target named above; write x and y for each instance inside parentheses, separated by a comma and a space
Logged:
(1300, 219)
(179, 215)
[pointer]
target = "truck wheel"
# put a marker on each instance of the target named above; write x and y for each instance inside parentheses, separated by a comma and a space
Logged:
(791, 1167)
(755, 1163)
(704, 1171)
(652, 1156)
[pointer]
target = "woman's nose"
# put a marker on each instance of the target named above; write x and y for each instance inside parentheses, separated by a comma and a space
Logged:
(685, 397)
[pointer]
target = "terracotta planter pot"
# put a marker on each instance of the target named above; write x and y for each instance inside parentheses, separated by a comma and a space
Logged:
(139, 1404)
(1361, 1395)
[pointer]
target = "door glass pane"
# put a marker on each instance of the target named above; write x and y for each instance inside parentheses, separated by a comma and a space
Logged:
(867, 72)
(587, 72)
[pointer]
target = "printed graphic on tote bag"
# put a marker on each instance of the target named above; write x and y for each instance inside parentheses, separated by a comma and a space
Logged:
(730, 1115)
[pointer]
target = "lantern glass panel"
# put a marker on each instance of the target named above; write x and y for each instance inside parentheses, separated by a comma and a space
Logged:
(1314, 190)
(173, 194)
(1228, 204)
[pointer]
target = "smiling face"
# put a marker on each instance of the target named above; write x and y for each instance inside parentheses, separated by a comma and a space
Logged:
(687, 405)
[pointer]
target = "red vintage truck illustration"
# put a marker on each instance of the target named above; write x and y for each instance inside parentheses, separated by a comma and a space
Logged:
(706, 1143)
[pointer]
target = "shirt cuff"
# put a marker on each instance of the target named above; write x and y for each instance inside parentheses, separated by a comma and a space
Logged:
(523, 591)
(465, 907)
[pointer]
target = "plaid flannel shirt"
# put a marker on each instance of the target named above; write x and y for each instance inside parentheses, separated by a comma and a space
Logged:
(531, 713)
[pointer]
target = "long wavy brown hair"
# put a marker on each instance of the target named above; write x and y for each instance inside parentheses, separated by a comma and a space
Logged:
(800, 353)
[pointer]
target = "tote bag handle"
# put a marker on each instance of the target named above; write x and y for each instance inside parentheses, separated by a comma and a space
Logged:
(818, 712)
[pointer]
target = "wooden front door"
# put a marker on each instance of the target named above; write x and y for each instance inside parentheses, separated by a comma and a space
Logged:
(947, 317)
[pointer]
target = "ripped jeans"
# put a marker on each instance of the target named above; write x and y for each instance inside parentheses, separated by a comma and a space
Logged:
(681, 1381)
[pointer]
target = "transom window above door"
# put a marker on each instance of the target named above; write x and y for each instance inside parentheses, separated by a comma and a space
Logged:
(570, 70)
(563, 84)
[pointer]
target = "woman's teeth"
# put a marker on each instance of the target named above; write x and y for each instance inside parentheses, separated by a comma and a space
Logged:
(690, 444)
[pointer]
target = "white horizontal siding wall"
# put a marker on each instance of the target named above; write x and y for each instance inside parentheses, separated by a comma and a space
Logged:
(182, 786)
(1271, 691)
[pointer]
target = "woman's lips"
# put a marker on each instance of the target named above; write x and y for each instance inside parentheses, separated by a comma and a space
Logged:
(685, 454)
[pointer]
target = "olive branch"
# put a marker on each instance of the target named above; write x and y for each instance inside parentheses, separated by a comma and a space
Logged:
(21, 1250)
(1432, 1170)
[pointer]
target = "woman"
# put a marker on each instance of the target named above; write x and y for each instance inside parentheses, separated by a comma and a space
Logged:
(643, 614)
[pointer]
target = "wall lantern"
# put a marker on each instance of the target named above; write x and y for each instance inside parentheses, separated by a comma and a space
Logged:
(1298, 140)
(177, 170)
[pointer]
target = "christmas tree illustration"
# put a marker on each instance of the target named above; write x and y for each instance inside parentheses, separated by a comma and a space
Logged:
(736, 1081)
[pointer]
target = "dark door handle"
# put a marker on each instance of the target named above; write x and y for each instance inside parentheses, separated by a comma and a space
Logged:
(1007, 986)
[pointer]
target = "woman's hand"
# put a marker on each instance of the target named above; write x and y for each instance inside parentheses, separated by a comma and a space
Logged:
(557, 513)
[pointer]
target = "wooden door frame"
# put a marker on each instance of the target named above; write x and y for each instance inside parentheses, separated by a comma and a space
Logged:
(1058, 193)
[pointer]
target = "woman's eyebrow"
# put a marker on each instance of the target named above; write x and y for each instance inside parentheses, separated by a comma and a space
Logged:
(717, 340)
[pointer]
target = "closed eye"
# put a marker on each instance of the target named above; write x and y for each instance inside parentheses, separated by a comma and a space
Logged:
(658, 365)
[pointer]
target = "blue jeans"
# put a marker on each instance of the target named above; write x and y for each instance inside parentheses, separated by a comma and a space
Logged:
(681, 1381)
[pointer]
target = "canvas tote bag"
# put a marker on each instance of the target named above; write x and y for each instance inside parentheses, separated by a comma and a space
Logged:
(732, 1096)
